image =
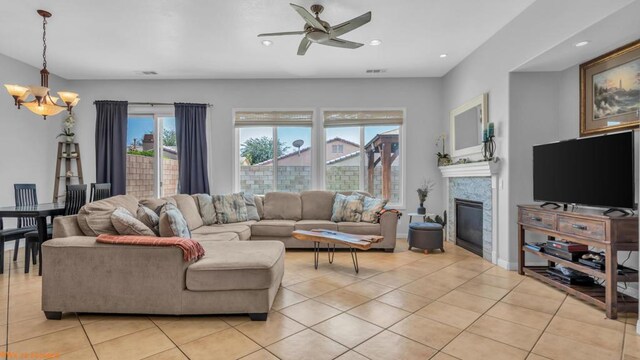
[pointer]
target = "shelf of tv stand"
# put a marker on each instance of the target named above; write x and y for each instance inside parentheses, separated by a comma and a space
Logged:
(611, 233)
(600, 274)
(594, 294)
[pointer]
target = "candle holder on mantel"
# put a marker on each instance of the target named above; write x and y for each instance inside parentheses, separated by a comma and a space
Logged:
(488, 144)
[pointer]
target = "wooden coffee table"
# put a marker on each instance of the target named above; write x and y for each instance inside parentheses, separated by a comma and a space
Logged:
(329, 237)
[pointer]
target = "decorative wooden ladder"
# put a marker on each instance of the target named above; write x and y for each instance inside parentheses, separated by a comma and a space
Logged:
(65, 153)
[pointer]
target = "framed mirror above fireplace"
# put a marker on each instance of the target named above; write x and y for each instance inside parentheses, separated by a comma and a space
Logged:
(467, 122)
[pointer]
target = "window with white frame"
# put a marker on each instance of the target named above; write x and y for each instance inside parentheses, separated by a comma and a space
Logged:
(274, 151)
(371, 158)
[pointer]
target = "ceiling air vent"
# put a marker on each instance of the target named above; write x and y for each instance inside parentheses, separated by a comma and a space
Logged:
(146, 73)
(376, 71)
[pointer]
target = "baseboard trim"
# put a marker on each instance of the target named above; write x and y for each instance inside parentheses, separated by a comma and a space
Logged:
(507, 265)
(638, 326)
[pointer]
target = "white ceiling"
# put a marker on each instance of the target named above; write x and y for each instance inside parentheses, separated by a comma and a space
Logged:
(114, 39)
(615, 30)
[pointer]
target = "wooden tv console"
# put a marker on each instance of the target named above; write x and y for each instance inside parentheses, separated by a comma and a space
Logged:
(591, 228)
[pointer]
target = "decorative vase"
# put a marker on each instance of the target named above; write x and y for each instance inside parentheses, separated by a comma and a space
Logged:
(69, 139)
(422, 210)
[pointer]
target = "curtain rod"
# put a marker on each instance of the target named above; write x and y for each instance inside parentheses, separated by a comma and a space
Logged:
(155, 104)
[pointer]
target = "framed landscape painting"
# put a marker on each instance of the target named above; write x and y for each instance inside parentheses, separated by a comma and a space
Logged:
(610, 91)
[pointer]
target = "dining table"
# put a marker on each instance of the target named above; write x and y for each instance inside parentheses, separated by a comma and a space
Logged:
(38, 211)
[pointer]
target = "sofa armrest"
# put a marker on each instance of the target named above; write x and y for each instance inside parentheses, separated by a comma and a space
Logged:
(388, 228)
(82, 275)
(66, 226)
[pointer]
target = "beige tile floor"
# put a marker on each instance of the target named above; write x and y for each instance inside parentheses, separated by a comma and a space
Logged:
(402, 305)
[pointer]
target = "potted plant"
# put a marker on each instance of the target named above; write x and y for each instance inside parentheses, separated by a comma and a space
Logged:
(423, 192)
(67, 129)
(443, 157)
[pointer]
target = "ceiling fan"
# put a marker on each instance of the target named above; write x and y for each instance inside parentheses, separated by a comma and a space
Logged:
(320, 32)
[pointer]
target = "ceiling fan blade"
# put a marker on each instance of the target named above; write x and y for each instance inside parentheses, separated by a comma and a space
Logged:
(352, 24)
(283, 33)
(342, 43)
(310, 19)
(304, 45)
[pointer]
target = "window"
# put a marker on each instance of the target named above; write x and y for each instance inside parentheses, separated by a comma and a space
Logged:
(149, 175)
(274, 151)
(337, 149)
(371, 157)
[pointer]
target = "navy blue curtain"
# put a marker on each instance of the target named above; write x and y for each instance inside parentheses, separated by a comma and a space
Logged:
(191, 135)
(111, 144)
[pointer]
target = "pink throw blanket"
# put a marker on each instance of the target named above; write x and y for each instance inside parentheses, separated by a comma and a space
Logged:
(191, 249)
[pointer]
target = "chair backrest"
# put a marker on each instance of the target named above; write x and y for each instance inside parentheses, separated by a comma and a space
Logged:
(25, 195)
(100, 191)
(75, 199)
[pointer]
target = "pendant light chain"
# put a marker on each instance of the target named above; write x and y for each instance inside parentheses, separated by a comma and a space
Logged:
(44, 42)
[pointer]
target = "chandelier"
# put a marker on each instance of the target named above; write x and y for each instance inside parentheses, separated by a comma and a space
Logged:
(42, 103)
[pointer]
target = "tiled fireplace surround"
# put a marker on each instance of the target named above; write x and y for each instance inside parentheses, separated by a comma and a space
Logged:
(475, 182)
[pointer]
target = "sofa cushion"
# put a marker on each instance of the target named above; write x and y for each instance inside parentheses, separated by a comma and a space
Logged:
(149, 218)
(126, 224)
(359, 228)
(347, 208)
(252, 210)
(316, 224)
(203, 239)
(259, 199)
(275, 228)
(317, 205)
(95, 217)
(156, 204)
(237, 265)
(242, 229)
(230, 208)
(206, 208)
(173, 223)
(189, 209)
(282, 206)
(371, 207)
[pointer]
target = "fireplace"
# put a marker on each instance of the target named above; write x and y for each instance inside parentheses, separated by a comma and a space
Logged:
(469, 225)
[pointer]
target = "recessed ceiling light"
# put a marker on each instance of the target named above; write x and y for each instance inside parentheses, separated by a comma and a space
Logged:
(375, 42)
(582, 43)
(443, 55)
(267, 42)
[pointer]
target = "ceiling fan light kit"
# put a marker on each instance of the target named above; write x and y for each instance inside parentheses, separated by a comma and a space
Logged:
(321, 32)
(42, 103)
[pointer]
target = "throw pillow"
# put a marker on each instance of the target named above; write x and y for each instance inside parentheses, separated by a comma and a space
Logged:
(207, 210)
(371, 208)
(252, 209)
(126, 224)
(149, 218)
(230, 208)
(347, 208)
(173, 223)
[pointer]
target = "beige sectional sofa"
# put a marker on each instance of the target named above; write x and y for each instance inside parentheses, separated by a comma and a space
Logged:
(240, 272)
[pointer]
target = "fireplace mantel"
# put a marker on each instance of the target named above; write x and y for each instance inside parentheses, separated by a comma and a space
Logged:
(474, 169)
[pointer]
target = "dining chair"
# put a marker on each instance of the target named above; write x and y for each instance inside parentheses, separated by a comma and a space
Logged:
(14, 234)
(25, 194)
(100, 191)
(75, 199)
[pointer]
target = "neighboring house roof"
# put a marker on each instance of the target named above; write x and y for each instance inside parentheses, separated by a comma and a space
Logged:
(335, 139)
(284, 156)
(343, 158)
(170, 149)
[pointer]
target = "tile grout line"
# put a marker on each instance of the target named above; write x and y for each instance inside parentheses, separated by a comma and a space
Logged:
(6, 345)
(168, 337)
(87, 335)
(549, 323)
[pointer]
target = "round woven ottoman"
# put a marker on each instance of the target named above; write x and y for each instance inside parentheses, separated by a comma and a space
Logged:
(425, 235)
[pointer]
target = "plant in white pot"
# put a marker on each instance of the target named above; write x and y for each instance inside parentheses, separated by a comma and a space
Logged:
(67, 129)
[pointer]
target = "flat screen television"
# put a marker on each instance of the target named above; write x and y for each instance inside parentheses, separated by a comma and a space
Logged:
(594, 171)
